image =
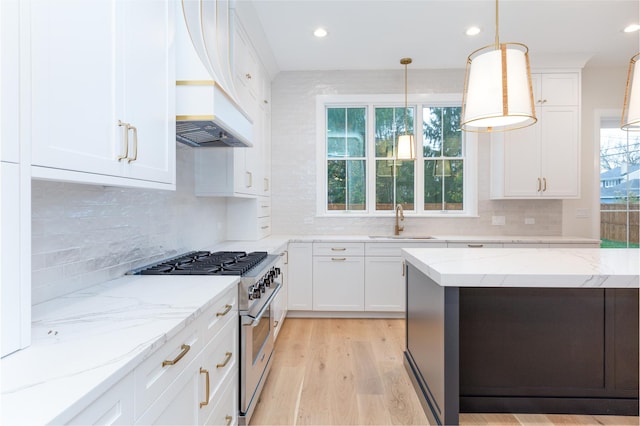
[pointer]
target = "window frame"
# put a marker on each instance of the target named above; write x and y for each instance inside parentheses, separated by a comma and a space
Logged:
(370, 102)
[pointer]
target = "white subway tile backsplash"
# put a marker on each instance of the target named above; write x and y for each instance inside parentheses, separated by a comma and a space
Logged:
(86, 234)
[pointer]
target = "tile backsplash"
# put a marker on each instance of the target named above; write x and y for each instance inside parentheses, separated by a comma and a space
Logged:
(86, 234)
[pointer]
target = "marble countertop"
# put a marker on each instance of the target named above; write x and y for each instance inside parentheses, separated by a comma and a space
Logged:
(528, 267)
(550, 239)
(85, 342)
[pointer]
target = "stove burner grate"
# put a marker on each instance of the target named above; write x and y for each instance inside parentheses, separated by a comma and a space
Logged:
(207, 263)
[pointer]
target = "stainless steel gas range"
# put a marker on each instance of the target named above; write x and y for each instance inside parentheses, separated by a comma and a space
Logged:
(260, 281)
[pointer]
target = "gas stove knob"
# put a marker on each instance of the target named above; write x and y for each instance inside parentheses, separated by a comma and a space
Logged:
(278, 272)
(268, 281)
(256, 293)
(251, 289)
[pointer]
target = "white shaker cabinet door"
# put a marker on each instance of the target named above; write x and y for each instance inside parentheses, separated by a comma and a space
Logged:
(384, 284)
(74, 78)
(300, 282)
(338, 283)
(149, 84)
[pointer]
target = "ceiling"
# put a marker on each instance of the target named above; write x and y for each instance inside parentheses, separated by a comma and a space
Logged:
(375, 34)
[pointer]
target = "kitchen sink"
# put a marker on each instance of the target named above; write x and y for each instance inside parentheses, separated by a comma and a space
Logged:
(401, 237)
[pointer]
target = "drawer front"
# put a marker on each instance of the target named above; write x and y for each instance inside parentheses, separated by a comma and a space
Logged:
(474, 245)
(219, 362)
(153, 378)
(338, 249)
(216, 316)
(264, 207)
(264, 227)
(395, 249)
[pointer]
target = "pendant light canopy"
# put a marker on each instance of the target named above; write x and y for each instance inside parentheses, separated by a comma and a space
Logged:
(405, 146)
(631, 108)
(497, 90)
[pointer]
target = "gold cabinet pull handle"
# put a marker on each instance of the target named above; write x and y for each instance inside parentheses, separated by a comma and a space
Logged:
(227, 308)
(206, 386)
(135, 142)
(249, 179)
(544, 187)
(275, 324)
(228, 419)
(402, 264)
(475, 245)
(338, 258)
(266, 184)
(126, 140)
(227, 358)
(539, 184)
(338, 249)
(185, 348)
(248, 76)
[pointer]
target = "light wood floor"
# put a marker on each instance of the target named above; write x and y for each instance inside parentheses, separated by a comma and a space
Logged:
(351, 372)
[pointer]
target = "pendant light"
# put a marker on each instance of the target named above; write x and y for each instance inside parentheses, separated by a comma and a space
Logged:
(497, 89)
(631, 108)
(405, 147)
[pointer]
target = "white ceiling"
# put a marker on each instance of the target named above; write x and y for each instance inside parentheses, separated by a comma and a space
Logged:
(375, 34)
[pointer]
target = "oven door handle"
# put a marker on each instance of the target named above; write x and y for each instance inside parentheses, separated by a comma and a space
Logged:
(256, 320)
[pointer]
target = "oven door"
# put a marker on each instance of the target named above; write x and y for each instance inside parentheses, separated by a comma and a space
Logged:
(256, 347)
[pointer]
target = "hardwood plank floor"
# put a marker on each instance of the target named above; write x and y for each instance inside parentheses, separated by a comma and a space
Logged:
(351, 372)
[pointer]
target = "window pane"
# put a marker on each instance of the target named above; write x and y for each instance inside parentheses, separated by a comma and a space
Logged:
(346, 129)
(404, 184)
(336, 185)
(384, 184)
(390, 123)
(432, 186)
(441, 134)
(453, 186)
(346, 185)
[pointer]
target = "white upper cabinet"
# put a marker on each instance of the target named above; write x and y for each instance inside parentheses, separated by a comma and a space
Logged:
(103, 91)
(246, 70)
(542, 161)
(9, 80)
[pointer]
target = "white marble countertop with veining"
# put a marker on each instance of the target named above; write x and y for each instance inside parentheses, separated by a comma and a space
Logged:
(528, 239)
(529, 267)
(85, 342)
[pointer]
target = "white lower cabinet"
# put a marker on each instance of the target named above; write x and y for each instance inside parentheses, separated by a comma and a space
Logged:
(114, 407)
(338, 276)
(300, 282)
(384, 284)
(225, 411)
(185, 380)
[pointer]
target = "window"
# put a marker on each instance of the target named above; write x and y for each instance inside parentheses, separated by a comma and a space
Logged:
(619, 185)
(362, 176)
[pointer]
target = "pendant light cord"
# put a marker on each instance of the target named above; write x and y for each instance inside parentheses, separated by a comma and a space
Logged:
(406, 112)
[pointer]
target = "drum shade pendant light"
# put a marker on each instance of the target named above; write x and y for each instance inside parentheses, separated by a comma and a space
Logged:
(405, 147)
(497, 88)
(631, 108)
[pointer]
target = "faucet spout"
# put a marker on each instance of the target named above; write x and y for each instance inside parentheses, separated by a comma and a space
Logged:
(399, 217)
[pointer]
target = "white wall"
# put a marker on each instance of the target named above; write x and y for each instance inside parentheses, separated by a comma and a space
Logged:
(602, 89)
(86, 234)
(294, 163)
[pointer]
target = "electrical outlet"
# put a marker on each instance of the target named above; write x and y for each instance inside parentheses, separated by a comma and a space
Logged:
(498, 220)
(529, 221)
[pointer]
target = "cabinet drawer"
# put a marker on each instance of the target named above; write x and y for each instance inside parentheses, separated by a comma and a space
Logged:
(214, 319)
(264, 207)
(114, 407)
(152, 378)
(264, 227)
(338, 249)
(470, 244)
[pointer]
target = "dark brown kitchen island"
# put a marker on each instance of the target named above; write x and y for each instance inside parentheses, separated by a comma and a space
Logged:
(505, 344)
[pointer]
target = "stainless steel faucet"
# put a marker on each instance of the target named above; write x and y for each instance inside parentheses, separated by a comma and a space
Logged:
(399, 217)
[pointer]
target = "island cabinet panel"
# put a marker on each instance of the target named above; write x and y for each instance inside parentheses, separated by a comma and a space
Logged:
(549, 350)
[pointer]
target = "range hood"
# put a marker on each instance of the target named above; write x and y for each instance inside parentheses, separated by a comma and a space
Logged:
(207, 113)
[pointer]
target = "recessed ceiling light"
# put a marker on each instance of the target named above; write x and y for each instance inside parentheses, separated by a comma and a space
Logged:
(471, 31)
(320, 32)
(632, 28)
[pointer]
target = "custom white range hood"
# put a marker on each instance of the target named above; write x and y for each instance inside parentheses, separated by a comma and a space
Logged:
(207, 113)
